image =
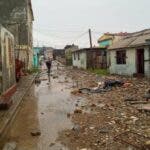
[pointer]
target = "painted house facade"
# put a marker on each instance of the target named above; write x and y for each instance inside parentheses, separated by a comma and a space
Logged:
(7, 63)
(36, 56)
(108, 39)
(131, 55)
(90, 58)
(17, 17)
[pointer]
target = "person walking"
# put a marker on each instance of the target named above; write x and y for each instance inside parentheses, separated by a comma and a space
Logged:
(49, 64)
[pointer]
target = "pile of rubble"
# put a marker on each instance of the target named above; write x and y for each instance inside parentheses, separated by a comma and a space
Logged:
(115, 119)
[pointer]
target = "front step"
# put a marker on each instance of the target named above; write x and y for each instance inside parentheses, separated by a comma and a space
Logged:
(5, 104)
(5, 99)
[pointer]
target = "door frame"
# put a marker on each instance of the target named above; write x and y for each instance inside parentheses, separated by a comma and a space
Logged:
(140, 68)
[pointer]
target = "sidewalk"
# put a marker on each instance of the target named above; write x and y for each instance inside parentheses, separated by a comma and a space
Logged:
(22, 88)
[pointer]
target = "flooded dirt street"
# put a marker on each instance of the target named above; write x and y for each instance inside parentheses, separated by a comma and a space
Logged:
(44, 111)
(66, 115)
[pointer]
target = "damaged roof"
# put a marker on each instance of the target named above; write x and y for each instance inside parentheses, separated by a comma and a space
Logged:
(89, 49)
(132, 40)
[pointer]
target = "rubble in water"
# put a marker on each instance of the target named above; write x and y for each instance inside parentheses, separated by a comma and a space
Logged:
(119, 120)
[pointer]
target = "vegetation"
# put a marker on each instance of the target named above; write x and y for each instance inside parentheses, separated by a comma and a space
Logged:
(99, 71)
(33, 70)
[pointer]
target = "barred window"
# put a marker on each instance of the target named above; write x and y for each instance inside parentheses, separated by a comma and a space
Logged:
(121, 57)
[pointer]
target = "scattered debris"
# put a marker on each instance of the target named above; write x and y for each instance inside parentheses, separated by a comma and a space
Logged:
(77, 111)
(147, 95)
(134, 139)
(68, 115)
(35, 133)
(147, 144)
(52, 144)
(76, 128)
(76, 91)
(117, 117)
(112, 83)
(10, 146)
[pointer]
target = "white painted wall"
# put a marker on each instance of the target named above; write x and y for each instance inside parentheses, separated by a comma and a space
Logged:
(126, 69)
(82, 62)
(147, 63)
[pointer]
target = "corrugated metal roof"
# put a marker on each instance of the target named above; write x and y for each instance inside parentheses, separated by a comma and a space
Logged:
(132, 40)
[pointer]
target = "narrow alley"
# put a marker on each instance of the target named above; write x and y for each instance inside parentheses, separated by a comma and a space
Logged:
(44, 110)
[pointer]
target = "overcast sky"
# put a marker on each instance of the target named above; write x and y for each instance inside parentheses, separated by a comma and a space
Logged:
(61, 22)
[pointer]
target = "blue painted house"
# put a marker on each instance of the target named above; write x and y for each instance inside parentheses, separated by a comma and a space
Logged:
(109, 38)
(36, 51)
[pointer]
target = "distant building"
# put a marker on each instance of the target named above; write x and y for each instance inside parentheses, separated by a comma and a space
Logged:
(17, 17)
(59, 55)
(68, 53)
(36, 56)
(131, 54)
(48, 52)
(90, 58)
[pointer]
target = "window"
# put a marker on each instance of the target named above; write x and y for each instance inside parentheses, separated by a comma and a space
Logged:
(121, 57)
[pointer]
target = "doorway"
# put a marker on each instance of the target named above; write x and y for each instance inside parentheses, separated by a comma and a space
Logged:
(140, 61)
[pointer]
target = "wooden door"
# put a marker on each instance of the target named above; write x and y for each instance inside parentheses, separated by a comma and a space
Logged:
(140, 61)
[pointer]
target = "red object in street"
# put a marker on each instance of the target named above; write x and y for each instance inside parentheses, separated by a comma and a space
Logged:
(19, 67)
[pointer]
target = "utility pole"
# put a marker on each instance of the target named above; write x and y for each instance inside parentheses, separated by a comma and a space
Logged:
(90, 37)
(91, 46)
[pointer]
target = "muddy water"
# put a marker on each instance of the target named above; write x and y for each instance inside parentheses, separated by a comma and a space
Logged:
(44, 109)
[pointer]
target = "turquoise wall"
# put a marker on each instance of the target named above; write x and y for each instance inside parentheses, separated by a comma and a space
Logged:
(105, 43)
(36, 56)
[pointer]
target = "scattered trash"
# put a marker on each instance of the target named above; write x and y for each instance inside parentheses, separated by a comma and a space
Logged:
(78, 111)
(147, 144)
(76, 91)
(133, 139)
(112, 83)
(35, 133)
(68, 115)
(92, 128)
(55, 77)
(147, 95)
(76, 128)
(116, 115)
(10, 146)
(52, 144)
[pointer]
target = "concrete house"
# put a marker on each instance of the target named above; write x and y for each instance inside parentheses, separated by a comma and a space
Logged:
(68, 53)
(90, 58)
(17, 17)
(108, 39)
(131, 55)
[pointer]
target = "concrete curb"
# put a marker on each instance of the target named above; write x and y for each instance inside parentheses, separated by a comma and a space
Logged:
(10, 114)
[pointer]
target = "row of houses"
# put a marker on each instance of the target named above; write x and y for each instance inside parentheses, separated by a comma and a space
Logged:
(120, 53)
